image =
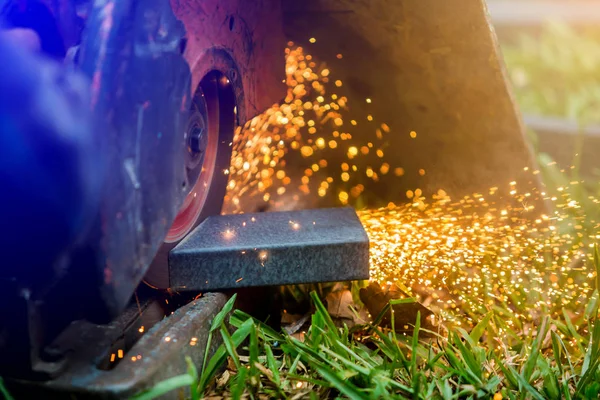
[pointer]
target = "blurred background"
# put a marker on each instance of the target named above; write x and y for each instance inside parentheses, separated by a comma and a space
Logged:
(552, 52)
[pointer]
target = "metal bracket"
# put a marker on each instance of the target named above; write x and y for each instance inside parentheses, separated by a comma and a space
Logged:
(109, 362)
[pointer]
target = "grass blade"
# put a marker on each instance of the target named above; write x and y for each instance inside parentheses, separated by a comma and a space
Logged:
(164, 387)
(206, 351)
(309, 379)
(343, 386)
(557, 351)
(415, 345)
(479, 329)
(346, 362)
(381, 315)
(583, 382)
(591, 310)
(589, 368)
(509, 373)
(408, 300)
(239, 317)
(4, 391)
(564, 350)
(535, 349)
(216, 323)
(253, 348)
(220, 317)
(550, 385)
(473, 369)
(445, 390)
(231, 346)
(530, 389)
(573, 331)
(272, 364)
(597, 265)
(294, 365)
(323, 311)
(220, 355)
(354, 354)
(193, 372)
(238, 385)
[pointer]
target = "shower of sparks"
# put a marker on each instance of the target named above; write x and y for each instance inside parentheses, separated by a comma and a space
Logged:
(462, 258)
(310, 123)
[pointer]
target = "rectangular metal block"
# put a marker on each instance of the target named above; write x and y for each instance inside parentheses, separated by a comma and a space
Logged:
(278, 248)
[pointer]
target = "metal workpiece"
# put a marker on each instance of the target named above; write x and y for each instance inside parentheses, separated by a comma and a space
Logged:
(138, 350)
(278, 248)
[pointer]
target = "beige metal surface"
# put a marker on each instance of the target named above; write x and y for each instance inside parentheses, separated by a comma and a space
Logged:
(250, 32)
(536, 12)
(429, 66)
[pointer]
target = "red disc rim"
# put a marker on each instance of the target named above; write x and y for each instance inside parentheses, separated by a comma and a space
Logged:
(195, 200)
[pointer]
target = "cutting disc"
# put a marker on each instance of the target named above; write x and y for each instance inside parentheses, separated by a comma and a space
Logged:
(132, 51)
(168, 145)
(208, 137)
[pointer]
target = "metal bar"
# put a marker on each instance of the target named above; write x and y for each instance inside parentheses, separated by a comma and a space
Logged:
(514, 12)
(278, 248)
(560, 138)
(97, 370)
(560, 126)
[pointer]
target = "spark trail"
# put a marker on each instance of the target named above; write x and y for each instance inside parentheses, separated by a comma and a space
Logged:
(462, 258)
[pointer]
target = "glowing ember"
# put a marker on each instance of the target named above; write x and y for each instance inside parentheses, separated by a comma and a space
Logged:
(465, 257)
(229, 234)
(461, 258)
(309, 123)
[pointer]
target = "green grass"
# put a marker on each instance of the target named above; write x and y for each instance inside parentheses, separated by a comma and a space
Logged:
(555, 73)
(371, 362)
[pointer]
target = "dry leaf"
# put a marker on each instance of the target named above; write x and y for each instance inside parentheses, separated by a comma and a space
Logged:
(338, 304)
(223, 379)
(231, 365)
(405, 314)
(295, 326)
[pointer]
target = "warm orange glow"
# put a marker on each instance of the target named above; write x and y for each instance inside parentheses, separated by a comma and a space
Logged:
(437, 248)
(310, 122)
